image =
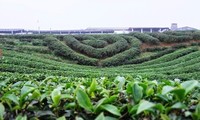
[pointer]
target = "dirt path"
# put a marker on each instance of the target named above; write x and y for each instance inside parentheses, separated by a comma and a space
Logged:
(162, 44)
(1, 53)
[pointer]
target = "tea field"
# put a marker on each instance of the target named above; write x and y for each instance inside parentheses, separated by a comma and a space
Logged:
(112, 76)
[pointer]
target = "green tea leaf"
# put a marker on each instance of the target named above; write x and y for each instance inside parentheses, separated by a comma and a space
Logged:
(121, 82)
(67, 96)
(163, 97)
(189, 85)
(167, 89)
(13, 98)
(197, 112)
(61, 118)
(70, 105)
(99, 103)
(159, 107)
(2, 111)
(179, 105)
(129, 88)
(133, 109)
(110, 118)
(56, 96)
(25, 91)
(164, 117)
(78, 118)
(100, 117)
(144, 105)
(36, 94)
(111, 99)
(112, 109)
(137, 93)
(179, 93)
(149, 91)
(20, 117)
(93, 86)
(83, 100)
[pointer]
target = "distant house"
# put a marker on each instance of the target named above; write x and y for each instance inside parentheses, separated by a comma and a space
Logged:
(185, 28)
(174, 27)
(11, 31)
(148, 29)
(125, 30)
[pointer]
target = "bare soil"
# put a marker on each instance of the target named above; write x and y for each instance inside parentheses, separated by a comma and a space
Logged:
(163, 44)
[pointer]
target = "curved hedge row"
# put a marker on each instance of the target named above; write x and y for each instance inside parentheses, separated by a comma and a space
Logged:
(84, 37)
(145, 38)
(61, 49)
(189, 57)
(107, 51)
(133, 41)
(141, 60)
(95, 43)
(194, 34)
(172, 56)
(120, 58)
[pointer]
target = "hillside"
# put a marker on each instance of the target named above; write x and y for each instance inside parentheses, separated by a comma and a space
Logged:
(102, 77)
(170, 54)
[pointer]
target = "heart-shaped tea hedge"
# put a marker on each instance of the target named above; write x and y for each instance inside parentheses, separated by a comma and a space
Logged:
(116, 49)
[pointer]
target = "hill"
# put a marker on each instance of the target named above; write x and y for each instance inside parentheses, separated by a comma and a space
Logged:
(110, 76)
(162, 55)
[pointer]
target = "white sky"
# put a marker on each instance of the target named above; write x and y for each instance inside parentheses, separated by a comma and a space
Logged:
(80, 14)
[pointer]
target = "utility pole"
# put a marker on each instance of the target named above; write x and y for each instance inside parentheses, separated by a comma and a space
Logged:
(38, 26)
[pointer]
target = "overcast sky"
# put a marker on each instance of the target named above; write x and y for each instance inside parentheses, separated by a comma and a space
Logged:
(80, 14)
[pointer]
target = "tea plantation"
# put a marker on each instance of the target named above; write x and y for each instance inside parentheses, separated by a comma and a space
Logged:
(104, 77)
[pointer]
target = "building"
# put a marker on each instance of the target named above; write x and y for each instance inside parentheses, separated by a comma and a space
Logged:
(116, 30)
(174, 27)
(148, 29)
(11, 31)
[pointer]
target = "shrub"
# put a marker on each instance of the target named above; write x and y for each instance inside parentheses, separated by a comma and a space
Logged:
(196, 35)
(39, 49)
(119, 59)
(171, 38)
(133, 41)
(61, 49)
(95, 43)
(37, 42)
(107, 51)
(83, 37)
(141, 60)
(8, 41)
(145, 38)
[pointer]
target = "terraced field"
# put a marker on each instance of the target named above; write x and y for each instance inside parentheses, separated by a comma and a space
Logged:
(97, 55)
(135, 56)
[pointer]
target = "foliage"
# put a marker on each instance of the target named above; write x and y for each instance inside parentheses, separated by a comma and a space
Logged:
(95, 43)
(107, 51)
(60, 49)
(50, 97)
(145, 38)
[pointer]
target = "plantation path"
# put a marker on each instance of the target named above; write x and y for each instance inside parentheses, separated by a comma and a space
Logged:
(162, 44)
(1, 53)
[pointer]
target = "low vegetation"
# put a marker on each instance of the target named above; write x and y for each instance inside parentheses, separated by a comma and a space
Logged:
(41, 97)
(128, 76)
